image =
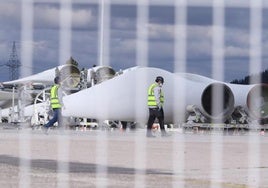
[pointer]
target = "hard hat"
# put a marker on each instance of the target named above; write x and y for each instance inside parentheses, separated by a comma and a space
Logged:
(57, 80)
(159, 78)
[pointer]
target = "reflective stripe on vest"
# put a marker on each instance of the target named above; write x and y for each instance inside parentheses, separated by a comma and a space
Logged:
(151, 97)
(54, 100)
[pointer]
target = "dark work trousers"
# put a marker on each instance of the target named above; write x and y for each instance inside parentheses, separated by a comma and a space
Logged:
(56, 118)
(124, 125)
(156, 113)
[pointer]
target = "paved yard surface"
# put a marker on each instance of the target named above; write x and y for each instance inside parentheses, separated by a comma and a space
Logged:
(30, 158)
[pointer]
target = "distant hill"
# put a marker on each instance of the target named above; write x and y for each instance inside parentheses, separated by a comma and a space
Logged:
(245, 81)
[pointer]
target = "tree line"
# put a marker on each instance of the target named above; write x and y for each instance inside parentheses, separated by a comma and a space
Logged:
(246, 80)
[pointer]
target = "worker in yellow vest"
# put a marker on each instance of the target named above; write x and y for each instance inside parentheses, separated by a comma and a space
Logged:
(55, 103)
(155, 105)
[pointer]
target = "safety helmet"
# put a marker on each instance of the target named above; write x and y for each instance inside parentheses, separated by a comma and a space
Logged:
(159, 78)
(57, 80)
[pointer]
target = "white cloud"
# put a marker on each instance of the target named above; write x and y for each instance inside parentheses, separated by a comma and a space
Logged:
(123, 23)
(199, 41)
(123, 47)
(9, 9)
(49, 17)
(46, 16)
(10, 15)
(237, 43)
(239, 37)
(160, 31)
(235, 51)
(83, 18)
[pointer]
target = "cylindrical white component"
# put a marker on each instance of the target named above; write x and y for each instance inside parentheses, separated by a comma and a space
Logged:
(253, 98)
(116, 99)
(200, 91)
(240, 93)
(45, 77)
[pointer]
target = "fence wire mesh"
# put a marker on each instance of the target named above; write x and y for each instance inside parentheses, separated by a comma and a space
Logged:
(142, 44)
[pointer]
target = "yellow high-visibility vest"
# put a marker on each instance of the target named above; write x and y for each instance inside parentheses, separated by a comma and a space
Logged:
(151, 97)
(54, 99)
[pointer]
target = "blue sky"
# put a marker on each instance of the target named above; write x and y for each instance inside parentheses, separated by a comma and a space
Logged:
(123, 37)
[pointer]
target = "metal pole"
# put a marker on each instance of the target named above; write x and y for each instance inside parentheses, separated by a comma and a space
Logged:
(0, 115)
(13, 104)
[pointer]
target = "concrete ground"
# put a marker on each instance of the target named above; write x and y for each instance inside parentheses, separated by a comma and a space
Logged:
(30, 158)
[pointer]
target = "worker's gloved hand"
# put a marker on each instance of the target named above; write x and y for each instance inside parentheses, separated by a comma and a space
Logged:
(159, 107)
